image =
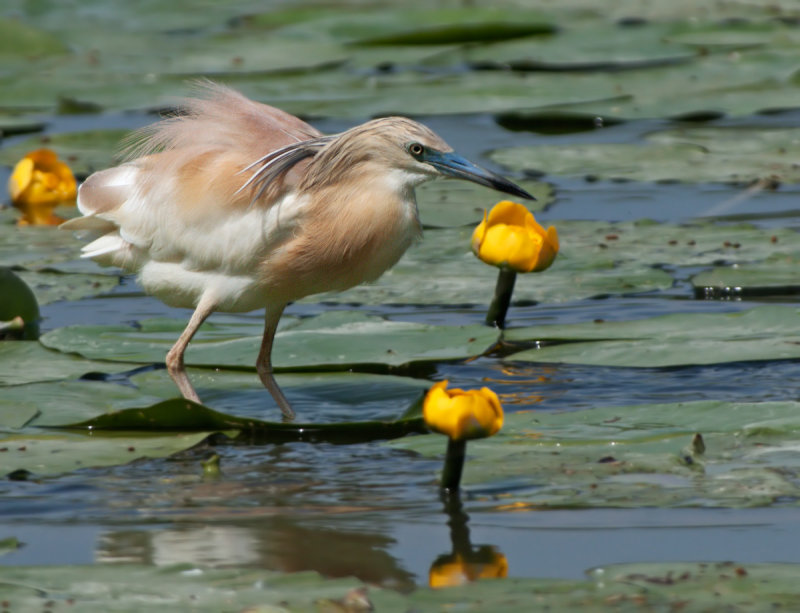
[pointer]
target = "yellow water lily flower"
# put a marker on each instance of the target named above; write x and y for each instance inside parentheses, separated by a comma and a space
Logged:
(458, 569)
(510, 237)
(39, 182)
(460, 414)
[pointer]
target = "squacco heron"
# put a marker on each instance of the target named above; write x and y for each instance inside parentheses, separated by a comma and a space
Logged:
(234, 206)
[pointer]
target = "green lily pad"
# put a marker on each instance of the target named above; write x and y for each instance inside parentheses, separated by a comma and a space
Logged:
(331, 341)
(52, 454)
(123, 587)
(18, 38)
(16, 416)
(775, 275)
(678, 51)
(763, 333)
(51, 286)
(713, 154)
(422, 24)
(27, 362)
(45, 258)
(186, 416)
(18, 301)
(599, 47)
(637, 456)
(595, 259)
(37, 246)
(458, 203)
(484, 32)
(321, 398)
(11, 125)
(456, 276)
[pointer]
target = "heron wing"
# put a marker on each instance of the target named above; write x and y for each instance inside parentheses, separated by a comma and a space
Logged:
(188, 174)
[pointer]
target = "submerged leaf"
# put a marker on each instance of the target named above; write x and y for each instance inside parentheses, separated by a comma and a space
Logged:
(186, 416)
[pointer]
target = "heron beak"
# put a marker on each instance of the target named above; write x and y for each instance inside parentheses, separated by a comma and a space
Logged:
(453, 165)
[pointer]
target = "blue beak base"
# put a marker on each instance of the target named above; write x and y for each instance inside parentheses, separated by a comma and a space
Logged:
(454, 165)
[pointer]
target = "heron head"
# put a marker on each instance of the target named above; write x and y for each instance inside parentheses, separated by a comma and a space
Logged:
(424, 151)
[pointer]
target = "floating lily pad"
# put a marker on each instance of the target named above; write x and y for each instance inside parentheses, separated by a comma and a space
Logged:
(458, 203)
(456, 276)
(422, 25)
(318, 398)
(762, 333)
(100, 409)
(597, 48)
(18, 301)
(46, 259)
(18, 38)
(638, 456)
(37, 246)
(713, 154)
(485, 32)
(335, 340)
(11, 125)
(28, 361)
(123, 587)
(51, 454)
(143, 65)
(186, 416)
(51, 286)
(595, 259)
(776, 275)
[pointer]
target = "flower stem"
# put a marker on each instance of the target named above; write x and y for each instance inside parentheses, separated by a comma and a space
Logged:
(502, 298)
(453, 465)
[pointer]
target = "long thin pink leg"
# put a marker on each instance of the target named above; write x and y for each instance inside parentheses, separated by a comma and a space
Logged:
(175, 366)
(264, 363)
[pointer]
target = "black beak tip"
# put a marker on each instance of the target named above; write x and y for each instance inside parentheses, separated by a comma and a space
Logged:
(516, 190)
(525, 194)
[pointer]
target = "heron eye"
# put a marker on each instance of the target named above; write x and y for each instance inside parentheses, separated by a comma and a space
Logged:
(416, 149)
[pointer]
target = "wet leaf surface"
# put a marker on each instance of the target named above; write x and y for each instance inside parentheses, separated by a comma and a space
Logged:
(763, 333)
(610, 368)
(28, 361)
(123, 587)
(52, 454)
(729, 155)
(316, 343)
(635, 456)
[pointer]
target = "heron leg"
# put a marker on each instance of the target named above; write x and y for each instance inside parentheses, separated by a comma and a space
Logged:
(175, 366)
(264, 363)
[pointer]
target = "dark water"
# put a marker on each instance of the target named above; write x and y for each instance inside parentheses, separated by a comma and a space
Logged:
(373, 511)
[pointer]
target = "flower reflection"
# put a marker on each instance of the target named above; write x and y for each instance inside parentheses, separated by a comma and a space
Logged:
(465, 563)
(485, 562)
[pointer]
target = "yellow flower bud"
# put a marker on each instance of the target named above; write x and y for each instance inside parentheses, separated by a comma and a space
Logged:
(461, 414)
(510, 237)
(457, 569)
(39, 182)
